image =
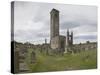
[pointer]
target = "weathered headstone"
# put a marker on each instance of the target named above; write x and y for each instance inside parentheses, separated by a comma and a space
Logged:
(33, 57)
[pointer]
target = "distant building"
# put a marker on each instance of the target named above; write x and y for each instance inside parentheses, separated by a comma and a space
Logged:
(57, 41)
(64, 43)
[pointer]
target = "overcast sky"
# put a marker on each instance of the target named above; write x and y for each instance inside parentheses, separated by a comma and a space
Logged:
(32, 21)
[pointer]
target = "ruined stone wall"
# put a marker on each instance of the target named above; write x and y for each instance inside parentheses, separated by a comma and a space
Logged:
(62, 42)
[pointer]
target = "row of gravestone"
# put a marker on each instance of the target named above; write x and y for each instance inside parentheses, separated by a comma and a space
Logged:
(82, 47)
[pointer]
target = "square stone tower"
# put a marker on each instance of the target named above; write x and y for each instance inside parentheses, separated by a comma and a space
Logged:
(54, 20)
(57, 42)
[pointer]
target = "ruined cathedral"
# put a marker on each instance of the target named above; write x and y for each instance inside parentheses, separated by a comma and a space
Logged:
(58, 41)
(62, 43)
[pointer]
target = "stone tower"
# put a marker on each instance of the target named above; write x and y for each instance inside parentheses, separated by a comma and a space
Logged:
(54, 20)
(57, 42)
(69, 38)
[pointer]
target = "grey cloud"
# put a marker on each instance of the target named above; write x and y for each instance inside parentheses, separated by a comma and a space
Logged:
(44, 35)
(68, 25)
(86, 37)
(32, 20)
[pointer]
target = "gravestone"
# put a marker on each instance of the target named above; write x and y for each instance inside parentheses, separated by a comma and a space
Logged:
(23, 67)
(33, 57)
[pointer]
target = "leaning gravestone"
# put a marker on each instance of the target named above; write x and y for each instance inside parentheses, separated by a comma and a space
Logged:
(33, 57)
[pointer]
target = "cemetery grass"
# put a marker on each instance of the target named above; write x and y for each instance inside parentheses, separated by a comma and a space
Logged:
(77, 61)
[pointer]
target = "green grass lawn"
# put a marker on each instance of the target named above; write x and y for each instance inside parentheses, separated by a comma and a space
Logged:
(82, 60)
